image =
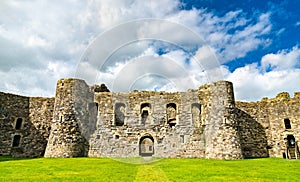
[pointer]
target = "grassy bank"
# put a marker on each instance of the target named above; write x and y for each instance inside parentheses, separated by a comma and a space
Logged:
(105, 169)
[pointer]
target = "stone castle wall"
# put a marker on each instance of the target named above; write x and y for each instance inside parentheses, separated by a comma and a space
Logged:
(24, 125)
(90, 121)
(123, 141)
(195, 134)
(262, 126)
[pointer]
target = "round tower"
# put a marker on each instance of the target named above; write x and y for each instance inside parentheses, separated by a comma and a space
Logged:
(221, 130)
(66, 136)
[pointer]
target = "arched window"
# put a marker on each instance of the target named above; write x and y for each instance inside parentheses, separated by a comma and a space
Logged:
(145, 112)
(171, 114)
(19, 123)
(16, 140)
(119, 114)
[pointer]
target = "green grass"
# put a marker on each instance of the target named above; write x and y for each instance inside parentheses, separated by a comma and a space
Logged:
(105, 169)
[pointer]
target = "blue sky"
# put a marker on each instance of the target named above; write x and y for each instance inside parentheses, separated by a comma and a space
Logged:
(284, 16)
(255, 43)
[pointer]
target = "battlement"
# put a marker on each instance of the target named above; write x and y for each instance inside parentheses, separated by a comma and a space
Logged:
(85, 120)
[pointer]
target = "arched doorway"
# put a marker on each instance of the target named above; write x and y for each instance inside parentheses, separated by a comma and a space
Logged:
(146, 146)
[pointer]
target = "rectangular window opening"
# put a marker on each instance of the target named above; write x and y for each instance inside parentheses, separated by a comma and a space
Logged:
(97, 106)
(16, 141)
(19, 123)
(287, 123)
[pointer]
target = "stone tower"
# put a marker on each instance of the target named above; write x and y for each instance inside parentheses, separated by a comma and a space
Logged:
(221, 128)
(72, 124)
(203, 123)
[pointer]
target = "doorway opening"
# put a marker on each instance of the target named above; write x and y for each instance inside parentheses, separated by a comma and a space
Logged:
(146, 146)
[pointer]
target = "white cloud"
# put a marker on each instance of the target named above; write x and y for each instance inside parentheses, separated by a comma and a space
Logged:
(111, 13)
(37, 41)
(218, 32)
(232, 36)
(252, 82)
(284, 59)
(41, 41)
(34, 37)
(237, 45)
(150, 72)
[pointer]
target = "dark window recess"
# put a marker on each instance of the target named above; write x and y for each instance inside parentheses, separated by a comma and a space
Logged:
(97, 106)
(171, 114)
(291, 140)
(117, 136)
(145, 111)
(19, 123)
(287, 124)
(119, 114)
(16, 141)
(144, 116)
(145, 105)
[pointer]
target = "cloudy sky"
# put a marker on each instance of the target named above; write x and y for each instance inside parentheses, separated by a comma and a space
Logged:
(153, 45)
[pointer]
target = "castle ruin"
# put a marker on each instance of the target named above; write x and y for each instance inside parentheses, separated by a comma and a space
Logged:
(91, 121)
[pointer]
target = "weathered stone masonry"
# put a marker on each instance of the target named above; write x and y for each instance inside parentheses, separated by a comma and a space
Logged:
(87, 120)
(25, 125)
(262, 124)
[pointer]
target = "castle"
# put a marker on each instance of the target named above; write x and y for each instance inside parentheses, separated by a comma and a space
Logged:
(91, 121)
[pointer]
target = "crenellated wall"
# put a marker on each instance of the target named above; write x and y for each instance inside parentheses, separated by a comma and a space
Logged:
(90, 121)
(123, 141)
(202, 125)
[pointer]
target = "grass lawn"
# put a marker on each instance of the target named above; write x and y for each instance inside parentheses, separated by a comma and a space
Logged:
(105, 169)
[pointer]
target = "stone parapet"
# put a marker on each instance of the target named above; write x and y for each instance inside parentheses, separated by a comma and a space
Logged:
(91, 121)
